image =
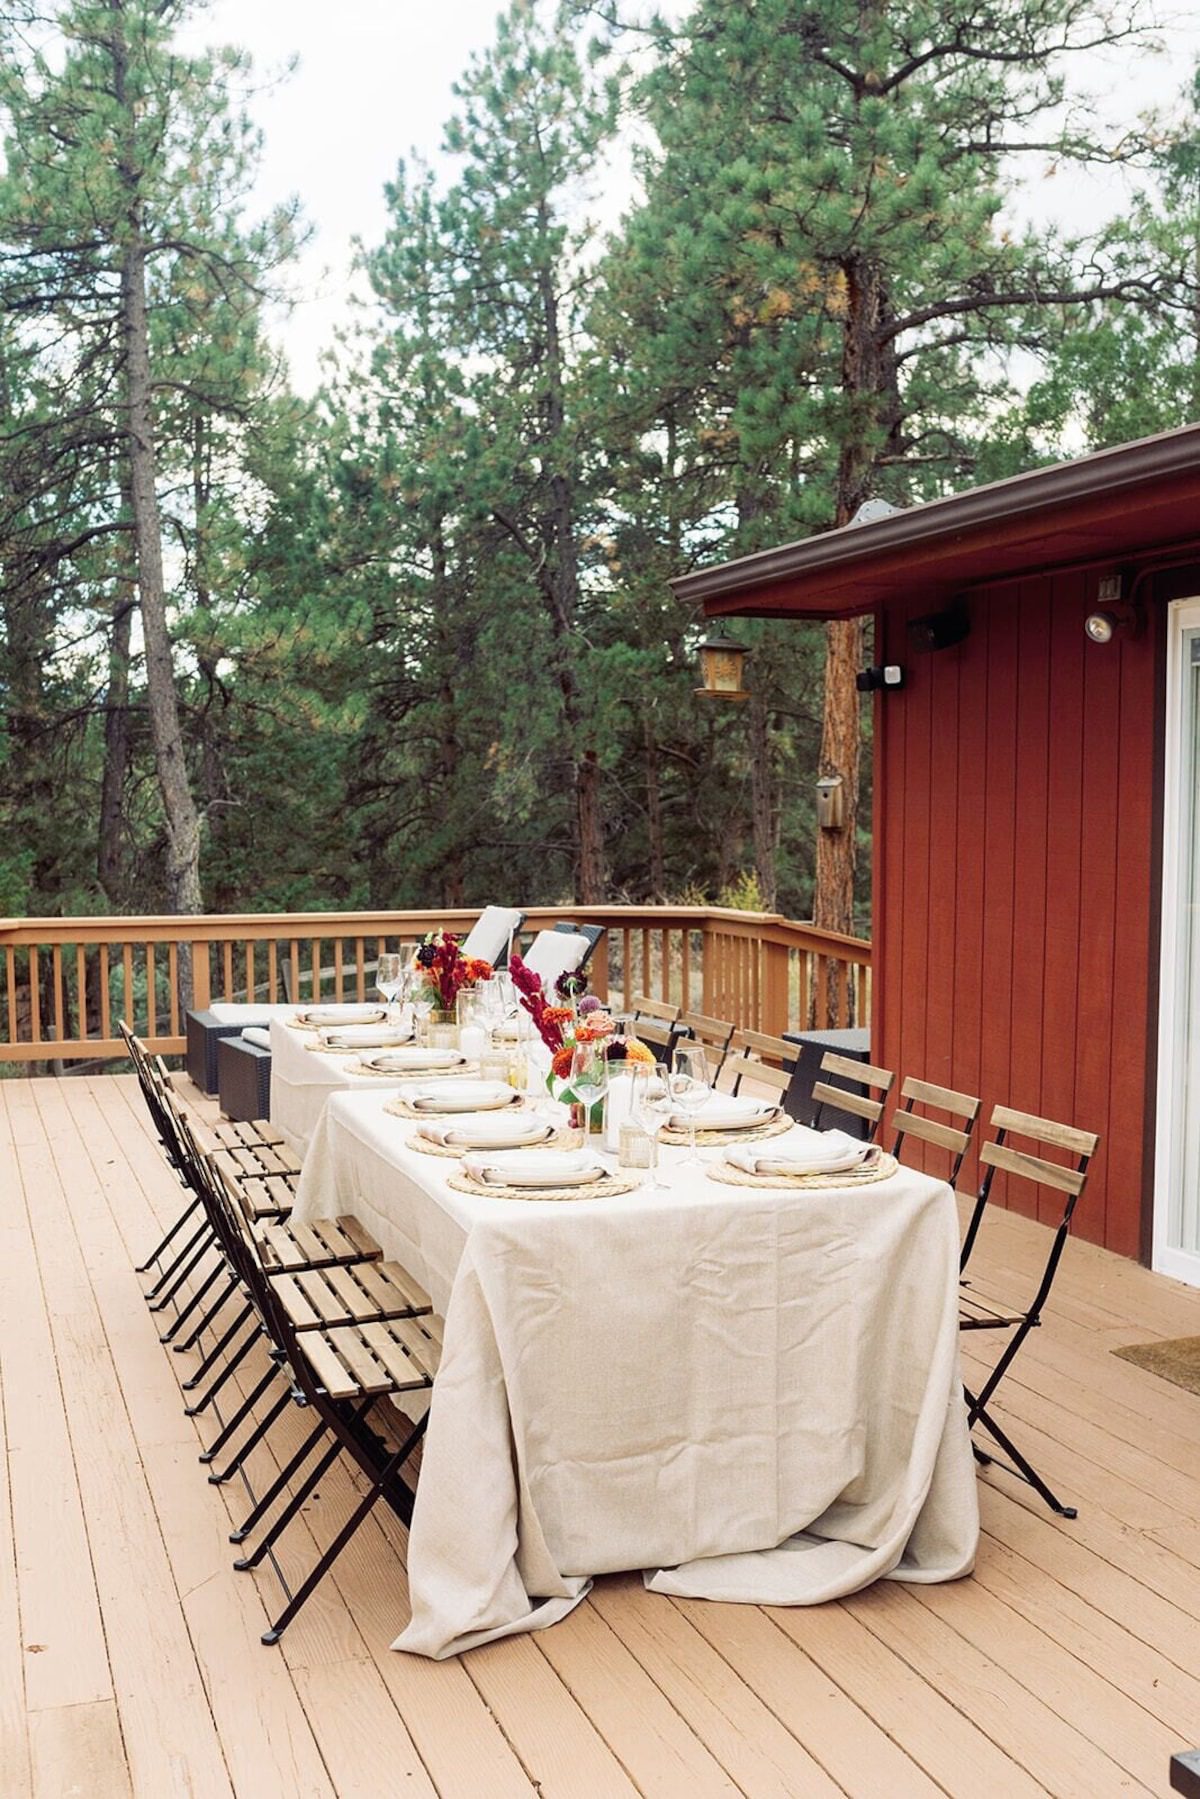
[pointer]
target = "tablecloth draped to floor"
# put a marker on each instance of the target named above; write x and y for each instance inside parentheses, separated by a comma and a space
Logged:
(752, 1395)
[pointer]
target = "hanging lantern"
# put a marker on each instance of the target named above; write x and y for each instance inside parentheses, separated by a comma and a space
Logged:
(721, 664)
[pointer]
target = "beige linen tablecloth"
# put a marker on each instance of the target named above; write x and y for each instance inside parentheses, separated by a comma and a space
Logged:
(302, 1080)
(753, 1395)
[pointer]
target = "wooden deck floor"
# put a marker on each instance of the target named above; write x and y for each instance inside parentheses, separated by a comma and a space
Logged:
(129, 1652)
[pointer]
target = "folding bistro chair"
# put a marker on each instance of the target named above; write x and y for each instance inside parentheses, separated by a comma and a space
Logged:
(140, 1058)
(759, 1059)
(656, 1024)
(345, 1338)
(955, 1138)
(847, 1098)
(981, 1310)
(713, 1033)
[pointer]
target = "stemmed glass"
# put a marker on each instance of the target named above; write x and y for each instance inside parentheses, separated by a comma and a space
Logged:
(390, 976)
(687, 1084)
(589, 1075)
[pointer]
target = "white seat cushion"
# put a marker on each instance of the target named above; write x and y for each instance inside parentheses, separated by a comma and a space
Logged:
(488, 936)
(556, 952)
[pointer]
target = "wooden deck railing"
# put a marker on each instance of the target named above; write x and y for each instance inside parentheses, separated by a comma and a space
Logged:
(66, 981)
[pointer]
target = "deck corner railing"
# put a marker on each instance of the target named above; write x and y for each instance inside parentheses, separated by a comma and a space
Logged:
(65, 982)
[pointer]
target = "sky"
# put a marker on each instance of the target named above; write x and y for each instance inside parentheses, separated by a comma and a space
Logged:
(374, 80)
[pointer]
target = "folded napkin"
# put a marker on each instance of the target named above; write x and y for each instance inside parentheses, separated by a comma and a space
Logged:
(462, 1096)
(496, 1130)
(259, 1038)
(541, 1168)
(806, 1152)
(337, 1015)
(725, 1112)
(365, 1036)
(410, 1059)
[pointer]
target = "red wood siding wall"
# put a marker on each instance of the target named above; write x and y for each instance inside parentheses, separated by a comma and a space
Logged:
(1013, 877)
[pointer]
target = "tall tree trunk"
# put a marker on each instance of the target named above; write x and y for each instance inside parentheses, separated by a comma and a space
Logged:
(654, 817)
(869, 382)
(762, 796)
(560, 583)
(179, 810)
(110, 860)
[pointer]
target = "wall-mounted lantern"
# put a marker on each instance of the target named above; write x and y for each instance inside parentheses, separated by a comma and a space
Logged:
(721, 664)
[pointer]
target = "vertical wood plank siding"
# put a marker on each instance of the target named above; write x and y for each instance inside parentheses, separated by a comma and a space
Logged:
(1014, 879)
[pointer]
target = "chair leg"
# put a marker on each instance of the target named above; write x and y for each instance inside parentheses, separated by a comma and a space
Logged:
(1023, 1469)
(147, 1265)
(290, 1509)
(172, 1290)
(218, 1349)
(263, 1505)
(169, 1335)
(239, 1417)
(230, 1368)
(168, 1273)
(252, 1441)
(306, 1588)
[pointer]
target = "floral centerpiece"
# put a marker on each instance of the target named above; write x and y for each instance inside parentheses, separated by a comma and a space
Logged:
(577, 1017)
(443, 971)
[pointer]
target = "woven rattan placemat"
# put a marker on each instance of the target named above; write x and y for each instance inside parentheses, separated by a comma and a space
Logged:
(729, 1176)
(774, 1128)
(606, 1188)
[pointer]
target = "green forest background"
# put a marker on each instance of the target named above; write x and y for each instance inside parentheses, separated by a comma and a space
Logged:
(411, 642)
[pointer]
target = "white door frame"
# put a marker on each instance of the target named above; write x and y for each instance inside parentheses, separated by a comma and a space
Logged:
(1167, 1257)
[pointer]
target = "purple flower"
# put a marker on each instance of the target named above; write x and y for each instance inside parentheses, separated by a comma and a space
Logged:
(588, 1004)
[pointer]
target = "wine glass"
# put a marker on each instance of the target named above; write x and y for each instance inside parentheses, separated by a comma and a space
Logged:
(389, 978)
(687, 1084)
(589, 1074)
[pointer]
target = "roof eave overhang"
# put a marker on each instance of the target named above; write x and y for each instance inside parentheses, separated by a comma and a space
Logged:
(1115, 503)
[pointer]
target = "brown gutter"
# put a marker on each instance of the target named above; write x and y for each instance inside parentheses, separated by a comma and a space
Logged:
(1143, 463)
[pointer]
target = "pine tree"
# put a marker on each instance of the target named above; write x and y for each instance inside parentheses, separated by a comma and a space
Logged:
(838, 293)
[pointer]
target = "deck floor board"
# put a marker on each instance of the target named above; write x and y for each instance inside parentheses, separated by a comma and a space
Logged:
(129, 1652)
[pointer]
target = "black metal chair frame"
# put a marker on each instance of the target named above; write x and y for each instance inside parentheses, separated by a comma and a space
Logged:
(995, 1154)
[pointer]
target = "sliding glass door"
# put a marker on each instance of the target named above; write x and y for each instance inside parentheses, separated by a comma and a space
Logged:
(1177, 1186)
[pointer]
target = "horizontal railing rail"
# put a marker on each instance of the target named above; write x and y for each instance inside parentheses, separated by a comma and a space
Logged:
(65, 982)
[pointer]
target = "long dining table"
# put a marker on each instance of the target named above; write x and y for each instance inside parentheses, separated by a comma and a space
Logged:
(748, 1393)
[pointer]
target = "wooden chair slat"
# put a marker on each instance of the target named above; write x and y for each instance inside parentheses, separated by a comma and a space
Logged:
(387, 1279)
(360, 1238)
(645, 1007)
(328, 1366)
(844, 1101)
(963, 1105)
(1034, 1168)
(295, 1302)
(660, 1035)
(709, 1030)
(865, 1073)
(1045, 1130)
(366, 1367)
(740, 1068)
(777, 1049)
(913, 1124)
(410, 1357)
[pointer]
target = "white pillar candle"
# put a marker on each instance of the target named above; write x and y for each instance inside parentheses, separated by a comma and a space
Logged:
(472, 1040)
(617, 1108)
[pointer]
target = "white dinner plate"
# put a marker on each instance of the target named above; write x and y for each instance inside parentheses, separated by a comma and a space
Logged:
(412, 1060)
(537, 1168)
(463, 1096)
(335, 1015)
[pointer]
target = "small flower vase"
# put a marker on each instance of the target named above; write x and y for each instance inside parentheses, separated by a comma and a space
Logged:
(443, 1030)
